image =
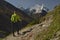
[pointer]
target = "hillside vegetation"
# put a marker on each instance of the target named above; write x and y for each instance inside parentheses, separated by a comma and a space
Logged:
(36, 28)
(51, 32)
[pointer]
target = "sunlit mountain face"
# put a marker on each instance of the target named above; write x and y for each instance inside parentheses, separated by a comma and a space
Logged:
(36, 9)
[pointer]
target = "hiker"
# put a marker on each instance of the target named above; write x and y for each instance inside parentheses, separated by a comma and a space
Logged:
(15, 19)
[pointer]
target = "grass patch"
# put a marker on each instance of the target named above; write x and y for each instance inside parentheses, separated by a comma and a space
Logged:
(53, 28)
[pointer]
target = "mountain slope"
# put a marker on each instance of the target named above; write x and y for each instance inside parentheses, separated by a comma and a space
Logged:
(6, 10)
(30, 33)
(51, 32)
(36, 12)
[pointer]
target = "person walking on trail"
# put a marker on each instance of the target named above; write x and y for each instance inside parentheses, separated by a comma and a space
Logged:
(15, 19)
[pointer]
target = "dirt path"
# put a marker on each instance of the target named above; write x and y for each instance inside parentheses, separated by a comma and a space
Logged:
(30, 32)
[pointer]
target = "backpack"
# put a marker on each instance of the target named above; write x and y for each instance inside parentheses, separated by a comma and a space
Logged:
(15, 18)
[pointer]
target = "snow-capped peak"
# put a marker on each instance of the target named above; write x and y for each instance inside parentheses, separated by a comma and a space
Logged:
(37, 8)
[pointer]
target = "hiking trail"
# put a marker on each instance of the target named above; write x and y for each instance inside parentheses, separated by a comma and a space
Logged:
(30, 33)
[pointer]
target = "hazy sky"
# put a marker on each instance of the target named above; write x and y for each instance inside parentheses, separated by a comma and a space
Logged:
(28, 3)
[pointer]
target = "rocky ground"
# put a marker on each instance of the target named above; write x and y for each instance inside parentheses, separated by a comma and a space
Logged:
(30, 33)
